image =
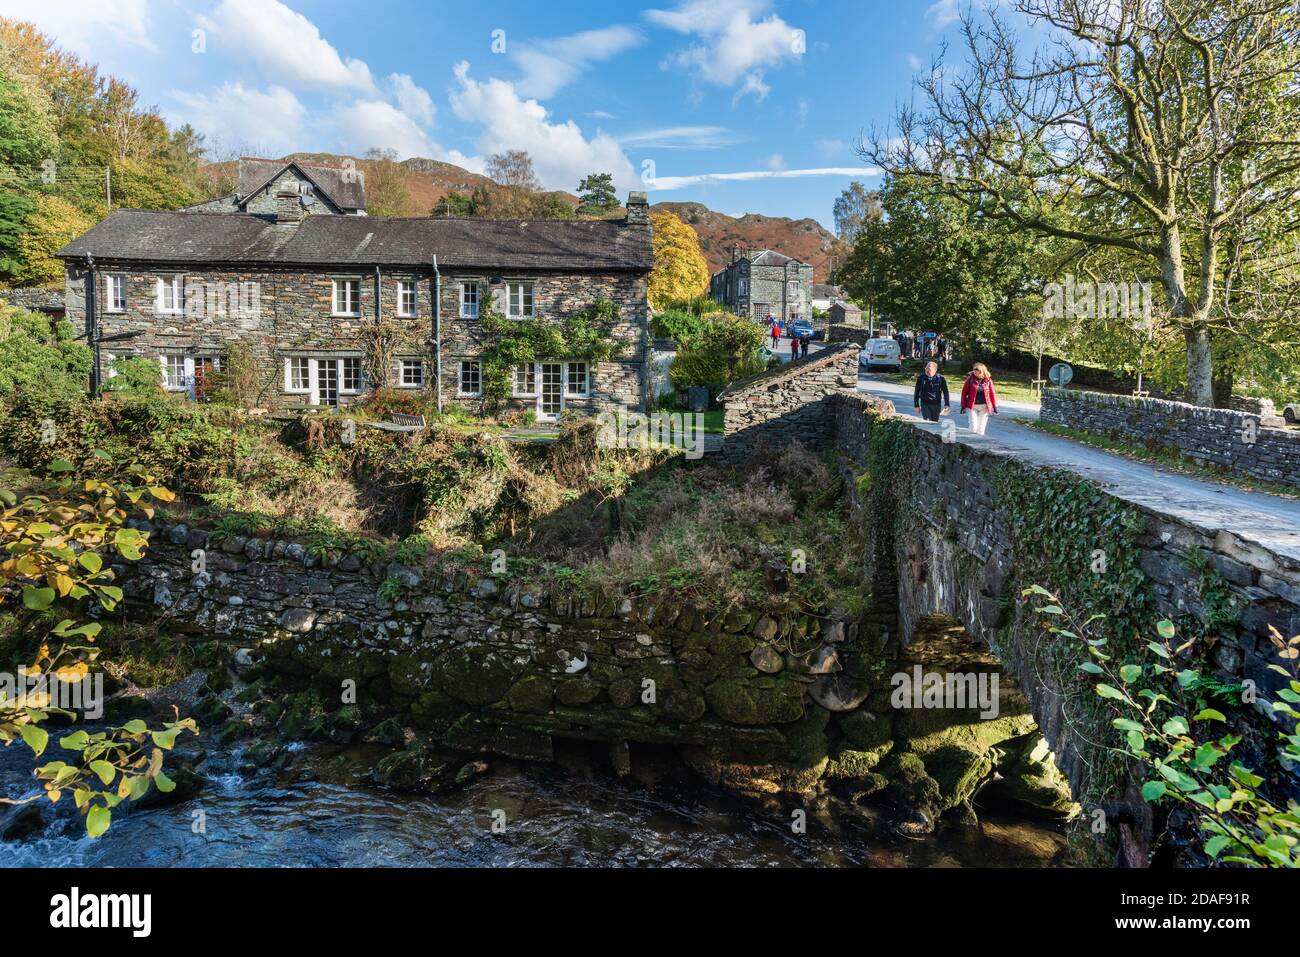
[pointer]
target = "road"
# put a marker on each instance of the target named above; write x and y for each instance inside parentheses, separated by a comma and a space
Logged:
(1268, 520)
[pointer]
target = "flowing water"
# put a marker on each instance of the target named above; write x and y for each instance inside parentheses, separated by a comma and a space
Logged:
(315, 813)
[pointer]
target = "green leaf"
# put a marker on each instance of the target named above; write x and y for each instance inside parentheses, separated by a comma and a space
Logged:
(36, 738)
(135, 726)
(1127, 724)
(37, 599)
(104, 770)
(1106, 691)
(1158, 649)
(1135, 741)
(1153, 790)
(1165, 629)
(91, 562)
(1130, 673)
(164, 783)
(1209, 714)
(75, 741)
(1091, 668)
(97, 820)
(1175, 725)
(165, 739)
(1215, 845)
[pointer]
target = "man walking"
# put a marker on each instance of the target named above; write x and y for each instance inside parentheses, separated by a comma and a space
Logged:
(776, 332)
(803, 347)
(930, 397)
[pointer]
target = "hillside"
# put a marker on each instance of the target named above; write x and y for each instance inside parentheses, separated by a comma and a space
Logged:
(804, 239)
(428, 181)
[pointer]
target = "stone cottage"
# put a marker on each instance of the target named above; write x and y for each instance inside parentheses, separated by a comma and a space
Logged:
(325, 190)
(314, 296)
(762, 283)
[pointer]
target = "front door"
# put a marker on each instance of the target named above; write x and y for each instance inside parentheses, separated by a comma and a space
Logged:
(550, 394)
(327, 383)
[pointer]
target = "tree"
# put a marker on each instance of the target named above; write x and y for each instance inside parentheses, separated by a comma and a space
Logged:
(513, 168)
(455, 203)
(52, 225)
(854, 209)
(1146, 127)
(935, 263)
(680, 270)
(597, 194)
(386, 192)
(41, 357)
(725, 348)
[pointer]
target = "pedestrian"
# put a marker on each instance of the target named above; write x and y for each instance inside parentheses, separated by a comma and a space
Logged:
(930, 397)
(794, 347)
(776, 332)
(803, 347)
(978, 399)
(943, 350)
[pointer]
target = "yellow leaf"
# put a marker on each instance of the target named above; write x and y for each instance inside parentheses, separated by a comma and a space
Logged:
(72, 673)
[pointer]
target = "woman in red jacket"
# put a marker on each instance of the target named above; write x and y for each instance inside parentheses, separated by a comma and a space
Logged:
(978, 399)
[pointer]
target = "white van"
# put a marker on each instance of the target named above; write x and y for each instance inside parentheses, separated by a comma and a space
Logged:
(881, 352)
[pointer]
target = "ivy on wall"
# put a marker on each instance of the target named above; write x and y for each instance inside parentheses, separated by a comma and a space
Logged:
(585, 336)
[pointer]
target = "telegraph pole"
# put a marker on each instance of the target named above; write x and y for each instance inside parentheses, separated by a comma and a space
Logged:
(108, 186)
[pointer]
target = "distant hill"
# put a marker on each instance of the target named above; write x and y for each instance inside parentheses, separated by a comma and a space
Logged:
(428, 181)
(803, 239)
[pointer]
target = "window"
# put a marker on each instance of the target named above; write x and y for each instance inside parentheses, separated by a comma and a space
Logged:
(406, 297)
(525, 379)
(115, 294)
(347, 297)
(521, 299)
(412, 373)
(350, 377)
(205, 368)
(469, 300)
(744, 286)
(299, 375)
(792, 289)
(471, 379)
(577, 380)
(171, 294)
(173, 372)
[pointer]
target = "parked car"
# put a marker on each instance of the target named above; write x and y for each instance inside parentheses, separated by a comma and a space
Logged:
(1291, 413)
(801, 329)
(881, 352)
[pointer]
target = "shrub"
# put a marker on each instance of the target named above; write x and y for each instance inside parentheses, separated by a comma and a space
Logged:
(384, 402)
(135, 375)
(729, 348)
(40, 356)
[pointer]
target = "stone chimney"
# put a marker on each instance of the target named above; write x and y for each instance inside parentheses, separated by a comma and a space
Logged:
(288, 205)
(638, 209)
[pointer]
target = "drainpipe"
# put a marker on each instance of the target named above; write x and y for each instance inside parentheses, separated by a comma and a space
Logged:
(92, 326)
(379, 295)
(437, 332)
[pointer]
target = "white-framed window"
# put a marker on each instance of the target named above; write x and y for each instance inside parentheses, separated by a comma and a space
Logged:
(792, 289)
(324, 377)
(406, 298)
(171, 294)
(525, 379)
(410, 373)
(469, 300)
(347, 297)
(174, 378)
(575, 382)
(297, 376)
(520, 299)
(351, 378)
(114, 293)
(471, 379)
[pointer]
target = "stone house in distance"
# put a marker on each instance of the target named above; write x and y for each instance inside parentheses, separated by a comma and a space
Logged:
(304, 286)
(762, 283)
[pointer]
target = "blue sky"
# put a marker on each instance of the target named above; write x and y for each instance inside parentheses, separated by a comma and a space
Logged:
(670, 95)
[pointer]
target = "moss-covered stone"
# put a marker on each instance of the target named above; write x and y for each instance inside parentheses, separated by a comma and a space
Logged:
(577, 691)
(532, 694)
(473, 675)
(683, 704)
(758, 701)
(864, 730)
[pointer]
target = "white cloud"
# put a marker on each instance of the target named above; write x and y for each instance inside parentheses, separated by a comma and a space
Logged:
(376, 123)
(680, 137)
(413, 100)
(561, 154)
(914, 61)
(600, 115)
(776, 161)
(702, 179)
(284, 44)
(942, 13)
(268, 120)
(83, 27)
(831, 146)
(549, 65)
(735, 45)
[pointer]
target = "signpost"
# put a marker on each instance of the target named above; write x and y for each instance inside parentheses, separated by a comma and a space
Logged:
(1060, 375)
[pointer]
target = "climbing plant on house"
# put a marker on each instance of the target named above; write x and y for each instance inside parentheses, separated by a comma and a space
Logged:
(583, 336)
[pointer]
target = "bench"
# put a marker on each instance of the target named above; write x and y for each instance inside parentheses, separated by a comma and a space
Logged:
(401, 418)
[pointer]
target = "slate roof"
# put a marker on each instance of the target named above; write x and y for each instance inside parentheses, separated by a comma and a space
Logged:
(255, 174)
(192, 238)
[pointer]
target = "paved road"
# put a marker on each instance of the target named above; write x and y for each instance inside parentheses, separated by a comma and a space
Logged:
(1268, 520)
